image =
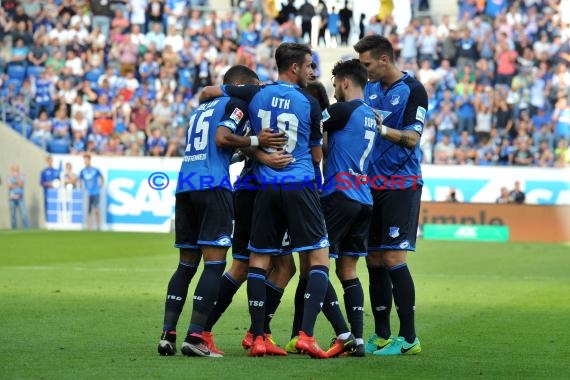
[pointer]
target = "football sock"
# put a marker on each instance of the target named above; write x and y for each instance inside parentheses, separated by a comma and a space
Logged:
(256, 296)
(299, 306)
(405, 299)
(273, 297)
(176, 294)
(205, 294)
(380, 300)
(354, 305)
(331, 310)
(228, 288)
(314, 296)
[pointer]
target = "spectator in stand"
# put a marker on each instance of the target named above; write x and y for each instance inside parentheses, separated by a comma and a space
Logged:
(61, 125)
(506, 59)
(346, 22)
(155, 37)
(409, 43)
(112, 146)
(517, 195)
(427, 43)
(447, 121)
(42, 130)
(504, 197)
(156, 144)
(307, 12)
(78, 145)
(444, 152)
(522, 156)
(427, 141)
(465, 91)
(177, 144)
(545, 156)
(503, 111)
(467, 50)
(561, 118)
(562, 154)
(162, 114)
(103, 115)
(465, 153)
(483, 104)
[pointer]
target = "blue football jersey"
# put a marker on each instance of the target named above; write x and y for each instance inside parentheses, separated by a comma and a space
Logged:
(403, 106)
(89, 178)
(205, 165)
(282, 106)
(352, 131)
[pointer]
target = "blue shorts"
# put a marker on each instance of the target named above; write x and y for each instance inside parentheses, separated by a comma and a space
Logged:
(93, 202)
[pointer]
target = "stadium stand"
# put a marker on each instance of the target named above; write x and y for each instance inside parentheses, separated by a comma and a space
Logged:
(497, 76)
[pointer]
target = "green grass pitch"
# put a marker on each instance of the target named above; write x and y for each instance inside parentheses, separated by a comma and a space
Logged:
(89, 306)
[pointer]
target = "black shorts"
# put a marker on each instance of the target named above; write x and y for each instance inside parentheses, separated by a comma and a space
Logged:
(293, 207)
(93, 202)
(395, 215)
(204, 217)
(348, 225)
(243, 203)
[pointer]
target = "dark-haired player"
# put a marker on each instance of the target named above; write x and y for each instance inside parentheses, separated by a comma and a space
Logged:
(289, 199)
(204, 209)
(401, 102)
(351, 131)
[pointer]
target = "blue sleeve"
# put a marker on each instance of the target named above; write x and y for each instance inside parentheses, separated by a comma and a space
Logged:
(245, 93)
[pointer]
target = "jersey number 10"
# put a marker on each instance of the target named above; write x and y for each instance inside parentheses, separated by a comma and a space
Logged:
(286, 122)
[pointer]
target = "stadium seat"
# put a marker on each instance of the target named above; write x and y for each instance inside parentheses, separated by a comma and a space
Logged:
(17, 72)
(35, 71)
(23, 128)
(93, 75)
(60, 146)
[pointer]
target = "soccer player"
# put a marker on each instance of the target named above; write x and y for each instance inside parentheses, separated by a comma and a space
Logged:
(282, 266)
(350, 128)
(290, 200)
(351, 131)
(91, 181)
(204, 210)
(401, 102)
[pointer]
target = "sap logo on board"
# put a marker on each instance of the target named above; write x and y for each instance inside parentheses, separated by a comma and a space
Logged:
(130, 199)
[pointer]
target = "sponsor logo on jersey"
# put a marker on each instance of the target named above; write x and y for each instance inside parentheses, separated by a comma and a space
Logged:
(373, 96)
(405, 244)
(237, 115)
(421, 114)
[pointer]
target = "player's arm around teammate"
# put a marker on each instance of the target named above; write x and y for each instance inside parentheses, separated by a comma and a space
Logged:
(401, 102)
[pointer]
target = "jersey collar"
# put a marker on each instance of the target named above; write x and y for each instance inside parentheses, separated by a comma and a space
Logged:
(288, 84)
(405, 76)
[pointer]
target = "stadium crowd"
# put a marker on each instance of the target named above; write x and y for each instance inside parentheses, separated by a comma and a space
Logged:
(121, 77)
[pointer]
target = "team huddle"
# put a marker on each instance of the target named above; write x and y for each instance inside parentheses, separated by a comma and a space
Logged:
(283, 204)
